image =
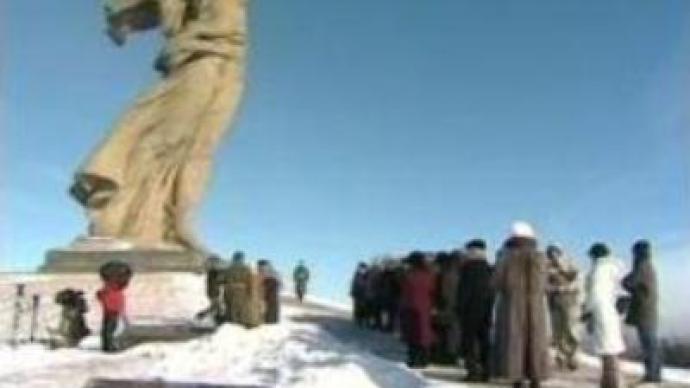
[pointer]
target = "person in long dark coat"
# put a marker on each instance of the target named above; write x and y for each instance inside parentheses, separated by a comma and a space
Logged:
(373, 296)
(270, 289)
(446, 323)
(358, 292)
(390, 296)
(520, 279)
(416, 303)
(475, 302)
(643, 312)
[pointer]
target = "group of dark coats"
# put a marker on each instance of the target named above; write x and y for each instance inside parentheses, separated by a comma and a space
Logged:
(446, 304)
(375, 291)
(441, 303)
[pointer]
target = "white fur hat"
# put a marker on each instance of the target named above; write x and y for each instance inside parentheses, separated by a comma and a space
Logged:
(522, 229)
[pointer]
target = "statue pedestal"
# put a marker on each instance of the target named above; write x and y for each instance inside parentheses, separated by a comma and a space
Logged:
(87, 256)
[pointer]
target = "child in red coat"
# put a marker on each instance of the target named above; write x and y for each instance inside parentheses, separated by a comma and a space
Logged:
(112, 300)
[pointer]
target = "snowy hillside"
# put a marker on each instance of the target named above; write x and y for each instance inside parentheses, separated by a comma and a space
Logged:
(287, 355)
(316, 345)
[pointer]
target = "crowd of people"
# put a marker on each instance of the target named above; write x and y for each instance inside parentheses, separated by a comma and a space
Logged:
(249, 298)
(237, 294)
(501, 319)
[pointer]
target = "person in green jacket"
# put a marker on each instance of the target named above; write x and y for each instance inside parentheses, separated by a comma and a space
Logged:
(300, 277)
(238, 289)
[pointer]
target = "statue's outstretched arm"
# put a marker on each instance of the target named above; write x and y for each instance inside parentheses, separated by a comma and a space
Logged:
(124, 17)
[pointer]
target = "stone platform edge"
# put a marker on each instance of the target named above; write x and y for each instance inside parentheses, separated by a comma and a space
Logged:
(89, 261)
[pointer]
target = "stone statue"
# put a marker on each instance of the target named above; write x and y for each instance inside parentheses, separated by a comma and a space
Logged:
(143, 182)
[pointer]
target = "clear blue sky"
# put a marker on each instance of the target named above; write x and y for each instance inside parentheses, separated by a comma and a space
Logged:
(378, 126)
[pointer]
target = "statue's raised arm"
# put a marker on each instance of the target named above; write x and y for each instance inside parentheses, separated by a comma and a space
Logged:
(126, 16)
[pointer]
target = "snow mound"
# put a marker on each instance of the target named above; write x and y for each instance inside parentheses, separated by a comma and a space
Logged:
(285, 355)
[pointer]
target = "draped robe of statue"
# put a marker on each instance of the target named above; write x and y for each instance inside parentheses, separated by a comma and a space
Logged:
(142, 183)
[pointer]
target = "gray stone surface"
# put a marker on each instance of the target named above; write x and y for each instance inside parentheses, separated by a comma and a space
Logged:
(142, 260)
(106, 383)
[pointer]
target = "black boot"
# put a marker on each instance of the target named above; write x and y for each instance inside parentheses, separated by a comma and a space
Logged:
(412, 356)
(424, 355)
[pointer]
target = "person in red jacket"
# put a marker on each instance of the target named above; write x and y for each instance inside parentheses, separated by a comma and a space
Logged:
(415, 310)
(112, 299)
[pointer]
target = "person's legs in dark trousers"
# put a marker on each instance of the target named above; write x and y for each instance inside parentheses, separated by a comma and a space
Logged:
(469, 352)
(424, 353)
(369, 314)
(413, 356)
(484, 344)
(357, 312)
(376, 306)
(650, 347)
(609, 372)
(395, 317)
(390, 312)
(107, 333)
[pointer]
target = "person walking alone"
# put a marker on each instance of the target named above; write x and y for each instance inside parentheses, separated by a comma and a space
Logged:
(300, 277)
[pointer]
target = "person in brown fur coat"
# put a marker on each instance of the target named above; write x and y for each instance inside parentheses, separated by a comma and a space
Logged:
(521, 322)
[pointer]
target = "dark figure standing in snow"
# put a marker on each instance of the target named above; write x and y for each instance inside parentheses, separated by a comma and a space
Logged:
(270, 285)
(373, 296)
(72, 328)
(520, 279)
(301, 277)
(214, 283)
(418, 290)
(564, 305)
(474, 306)
(643, 313)
(390, 295)
(446, 323)
(358, 291)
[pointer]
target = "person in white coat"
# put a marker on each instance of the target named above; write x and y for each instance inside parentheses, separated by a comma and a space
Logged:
(604, 323)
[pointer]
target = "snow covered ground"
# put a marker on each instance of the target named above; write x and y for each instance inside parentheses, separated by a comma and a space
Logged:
(316, 345)
(168, 296)
(286, 355)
